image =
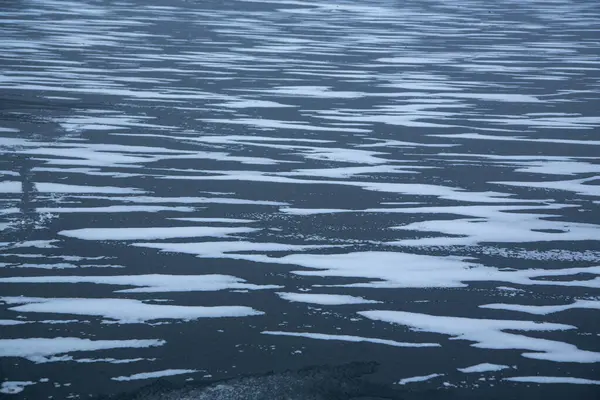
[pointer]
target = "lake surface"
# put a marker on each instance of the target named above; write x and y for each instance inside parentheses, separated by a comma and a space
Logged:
(205, 190)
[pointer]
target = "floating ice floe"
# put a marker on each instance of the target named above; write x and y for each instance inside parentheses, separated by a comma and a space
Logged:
(14, 387)
(553, 379)
(527, 229)
(10, 322)
(153, 283)
(62, 266)
(192, 200)
(324, 299)
(490, 334)
(228, 249)
(125, 311)
(153, 233)
(483, 367)
(348, 172)
(517, 139)
(155, 374)
(40, 350)
(545, 310)
(418, 379)
(44, 187)
(405, 270)
(577, 186)
(350, 338)
(415, 189)
(217, 220)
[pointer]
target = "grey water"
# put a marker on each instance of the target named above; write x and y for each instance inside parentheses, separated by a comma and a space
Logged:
(248, 199)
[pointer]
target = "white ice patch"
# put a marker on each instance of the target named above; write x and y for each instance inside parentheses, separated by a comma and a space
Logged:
(483, 367)
(544, 310)
(126, 311)
(324, 299)
(153, 283)
(38, 244)
(399, 143)
(553, 379)
(559, 168)
(312, 211)
(62, 266)
(41, 350)
(489, 334)
(227, 249)
(417, 379)
(43, 187)
(10, 322)
(405, 270)
(152, 233)
(493, 224)
(110, 360)
(348, 172)
(353, 156)
(577, 186)
(193, 200)
(217, 220)
(415, 189)
(518, 139)
(155, 374)
(348, 338)
(270, 124)
(14, 387)
(112, 209)
(253, 104)
(322, 92)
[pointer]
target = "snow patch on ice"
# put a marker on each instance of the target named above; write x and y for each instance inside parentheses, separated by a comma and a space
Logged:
(489, 334)
(544, 310)
(40, 350)
(153, 283)
(152, 233)
(10, 322)
(155, 374)
(553, 379)
(414, 379)
(324, 299)
(14, 387)
(483, 367)
(125, 311)
(405, 270)
(348, 338)
(228, 249)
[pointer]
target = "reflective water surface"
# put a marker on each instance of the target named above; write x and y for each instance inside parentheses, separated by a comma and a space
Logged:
(203, 190)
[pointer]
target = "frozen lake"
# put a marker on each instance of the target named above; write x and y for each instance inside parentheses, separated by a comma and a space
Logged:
(207, 190)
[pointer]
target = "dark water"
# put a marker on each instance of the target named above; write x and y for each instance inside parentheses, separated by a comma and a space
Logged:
(207, 190)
